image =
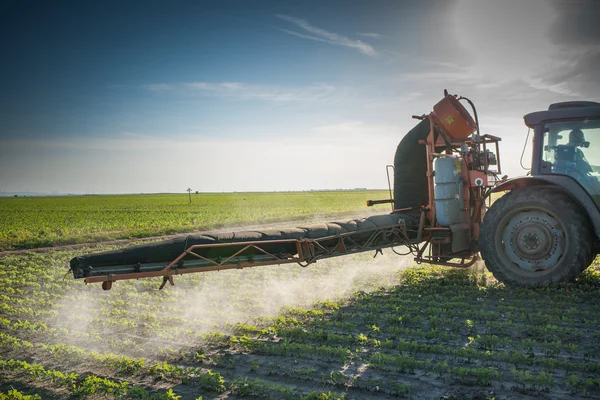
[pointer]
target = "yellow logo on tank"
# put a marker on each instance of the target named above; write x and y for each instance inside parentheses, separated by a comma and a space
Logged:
(458, 165)
(449, 119)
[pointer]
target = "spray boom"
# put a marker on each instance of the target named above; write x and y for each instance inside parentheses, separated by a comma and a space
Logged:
(441, 177)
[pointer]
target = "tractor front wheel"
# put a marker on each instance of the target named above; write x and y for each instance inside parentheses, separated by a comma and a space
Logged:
(535, 236)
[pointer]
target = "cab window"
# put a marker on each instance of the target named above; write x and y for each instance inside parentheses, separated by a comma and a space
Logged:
(572, 148)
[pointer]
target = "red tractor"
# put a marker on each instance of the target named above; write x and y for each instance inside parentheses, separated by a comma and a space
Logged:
(545, 228)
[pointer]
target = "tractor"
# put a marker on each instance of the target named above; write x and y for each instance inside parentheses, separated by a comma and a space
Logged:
(545, 229)
(449, 204)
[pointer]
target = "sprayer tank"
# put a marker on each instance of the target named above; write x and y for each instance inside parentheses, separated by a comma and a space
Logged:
(448, 191)
(450, 115)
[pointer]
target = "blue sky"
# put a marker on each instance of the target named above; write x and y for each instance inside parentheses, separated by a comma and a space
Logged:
(119, 97)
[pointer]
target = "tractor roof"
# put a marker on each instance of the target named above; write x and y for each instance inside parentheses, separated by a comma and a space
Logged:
(563, 111)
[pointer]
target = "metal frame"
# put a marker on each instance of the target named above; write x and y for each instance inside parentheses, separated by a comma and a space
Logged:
(308, 251)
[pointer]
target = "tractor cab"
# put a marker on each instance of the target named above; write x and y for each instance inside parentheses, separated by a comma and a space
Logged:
(572, 148)
(568, 144)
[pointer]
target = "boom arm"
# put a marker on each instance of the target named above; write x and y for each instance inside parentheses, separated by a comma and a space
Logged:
(257, 253)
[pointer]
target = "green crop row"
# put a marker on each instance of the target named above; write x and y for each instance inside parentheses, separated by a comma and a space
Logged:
(245, 387)
(14, 394)
(89, 386)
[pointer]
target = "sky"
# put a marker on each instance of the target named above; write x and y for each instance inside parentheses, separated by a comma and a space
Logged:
(157, 96)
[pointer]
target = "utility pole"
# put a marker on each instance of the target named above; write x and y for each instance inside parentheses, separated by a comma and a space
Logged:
(190, 194)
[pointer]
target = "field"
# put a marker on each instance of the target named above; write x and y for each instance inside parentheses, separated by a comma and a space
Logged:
(352, 328)
(32, 222)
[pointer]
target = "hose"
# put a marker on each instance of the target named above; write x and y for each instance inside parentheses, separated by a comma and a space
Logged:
(474, 112)
(523, 152)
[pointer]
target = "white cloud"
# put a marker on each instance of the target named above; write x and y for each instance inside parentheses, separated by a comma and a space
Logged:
(574, 73)
(263, 92)
(537, 43)
(370, 35)
(242, 91)
(321, 35)
(559, 88)
(438, 76)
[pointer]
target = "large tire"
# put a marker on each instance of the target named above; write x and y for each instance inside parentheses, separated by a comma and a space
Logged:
(535, 236)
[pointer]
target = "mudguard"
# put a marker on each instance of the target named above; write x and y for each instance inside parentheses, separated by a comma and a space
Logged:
(564, 183)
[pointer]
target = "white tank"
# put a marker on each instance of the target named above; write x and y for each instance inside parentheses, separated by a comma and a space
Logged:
(448, 191)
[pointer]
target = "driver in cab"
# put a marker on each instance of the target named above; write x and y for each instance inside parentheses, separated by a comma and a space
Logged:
(577, 140)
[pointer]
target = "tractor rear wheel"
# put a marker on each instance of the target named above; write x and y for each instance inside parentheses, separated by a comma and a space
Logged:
(535, 236)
